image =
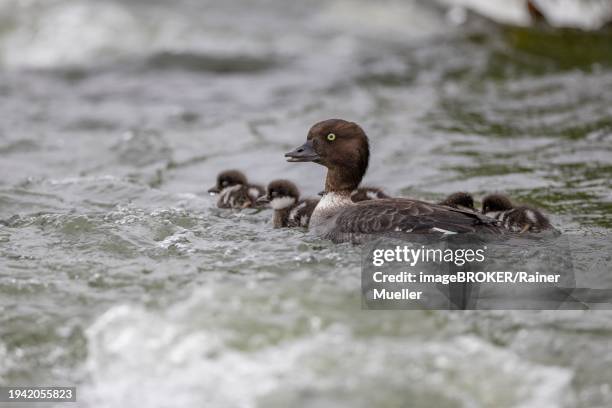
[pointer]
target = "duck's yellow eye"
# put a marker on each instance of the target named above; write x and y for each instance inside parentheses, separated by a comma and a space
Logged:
(331, 137)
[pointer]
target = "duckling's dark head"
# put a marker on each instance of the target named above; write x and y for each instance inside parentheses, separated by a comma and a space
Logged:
(339, 145)
(280, 194)
(228, 178)
(459, 199)
(496, 202)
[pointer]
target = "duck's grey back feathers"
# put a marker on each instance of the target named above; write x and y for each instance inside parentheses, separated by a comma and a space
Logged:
(398, 216)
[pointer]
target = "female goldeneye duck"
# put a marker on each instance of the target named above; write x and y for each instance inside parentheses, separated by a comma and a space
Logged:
(460, 200)
(343, 148)
(517, 219)
(365, 193)
(289, 211)
(234, 190)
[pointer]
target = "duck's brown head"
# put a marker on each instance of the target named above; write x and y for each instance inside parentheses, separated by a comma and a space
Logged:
(496, 202)
(280, 194)
(228, 178)
(339, 145)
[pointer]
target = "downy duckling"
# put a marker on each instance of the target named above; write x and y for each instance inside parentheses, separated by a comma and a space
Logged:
(343, 148)
(289, 211)
(368, 193)
(460, 200)
(514, 218)
(234, 190)
(364, 194)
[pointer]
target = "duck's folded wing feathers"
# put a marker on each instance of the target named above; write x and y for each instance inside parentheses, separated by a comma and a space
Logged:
(405, 215)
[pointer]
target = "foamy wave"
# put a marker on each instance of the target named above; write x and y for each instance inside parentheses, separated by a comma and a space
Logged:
(68, 33)
(215, 35)
(189, 356)
(179, 241)
(587, 14)
(50, 34)
(391, 20)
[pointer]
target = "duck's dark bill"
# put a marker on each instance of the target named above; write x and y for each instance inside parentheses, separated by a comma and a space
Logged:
(213, 191)
(262, 200)
(304, 153)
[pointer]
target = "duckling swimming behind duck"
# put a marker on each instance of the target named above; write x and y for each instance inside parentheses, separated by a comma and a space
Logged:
(368, 193)
(515, 218)
(460, 200)
(289, 211)
(234, 190)
(365, 193)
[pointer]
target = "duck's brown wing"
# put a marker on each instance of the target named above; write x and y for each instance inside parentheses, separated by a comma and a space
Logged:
(399, 215)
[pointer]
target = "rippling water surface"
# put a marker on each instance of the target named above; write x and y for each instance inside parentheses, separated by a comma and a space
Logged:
(118, 273)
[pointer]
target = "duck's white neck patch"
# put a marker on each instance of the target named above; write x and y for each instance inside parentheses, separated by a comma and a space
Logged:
(327, 207)
(280, 203)
(332, 201)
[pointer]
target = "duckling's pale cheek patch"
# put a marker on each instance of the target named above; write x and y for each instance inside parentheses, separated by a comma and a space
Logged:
(281, 203)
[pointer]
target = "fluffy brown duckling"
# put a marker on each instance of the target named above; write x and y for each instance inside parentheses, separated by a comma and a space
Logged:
(365, 193)
(514, 218)
(343, 148)
(368, 193)
(234, 191)
(460, 200)
(289, 211)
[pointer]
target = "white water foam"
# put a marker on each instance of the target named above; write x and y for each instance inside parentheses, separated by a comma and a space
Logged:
(587, 14)
(65, 33)
(189, 355)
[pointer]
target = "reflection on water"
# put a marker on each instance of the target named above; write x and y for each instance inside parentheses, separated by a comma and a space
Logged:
(117, 272)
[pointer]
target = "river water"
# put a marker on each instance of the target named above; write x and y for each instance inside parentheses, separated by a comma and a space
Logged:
(119, 275)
